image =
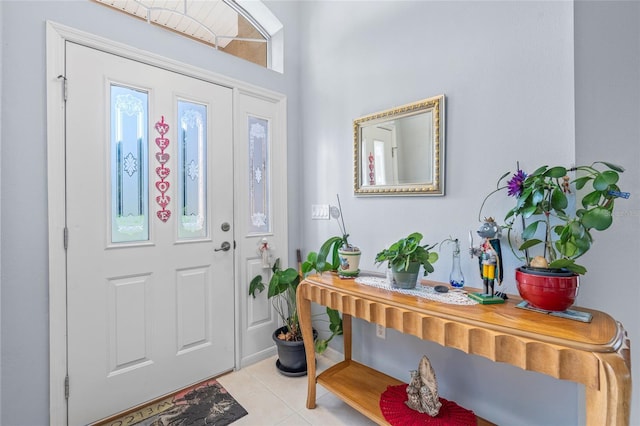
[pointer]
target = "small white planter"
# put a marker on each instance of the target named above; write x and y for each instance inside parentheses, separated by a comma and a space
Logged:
(349, 261)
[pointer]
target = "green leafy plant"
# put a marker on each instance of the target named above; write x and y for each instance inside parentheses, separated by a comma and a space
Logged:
(282, 289)
(326, 259)
(408, 250)
(542, 206)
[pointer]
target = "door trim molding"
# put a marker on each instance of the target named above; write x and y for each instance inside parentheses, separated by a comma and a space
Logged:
(56, 37)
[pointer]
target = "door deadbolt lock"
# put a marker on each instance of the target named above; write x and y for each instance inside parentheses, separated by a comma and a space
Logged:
(225, 246)
(225, 226)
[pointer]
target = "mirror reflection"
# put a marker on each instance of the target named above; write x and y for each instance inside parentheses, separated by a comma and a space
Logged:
(400, 151)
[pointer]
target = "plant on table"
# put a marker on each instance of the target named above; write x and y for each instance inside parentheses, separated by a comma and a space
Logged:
(542, 206)
(405, 251)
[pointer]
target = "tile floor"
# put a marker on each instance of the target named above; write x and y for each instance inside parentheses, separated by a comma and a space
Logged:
(272, 399)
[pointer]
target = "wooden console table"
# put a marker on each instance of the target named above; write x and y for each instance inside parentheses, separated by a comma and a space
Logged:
(595, 354)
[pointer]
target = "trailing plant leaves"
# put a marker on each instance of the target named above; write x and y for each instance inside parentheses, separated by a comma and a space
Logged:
(538, 196)
(556, 172)
(274, 286)
(577, 229)
(583, 244)
(309, 264)
(567, 247)
(538, 171)
(509, 214)
(591, 199)
(581, 182)
(569, 264)
(612, 166)
(256, 284)
(604, 179)
(321, 345)
(564, 232)
(329, 250)
(281, 281)
(530, 230)
(598, 218)
(530, 243)
(558, 200)
(335, 322)
(528, 211)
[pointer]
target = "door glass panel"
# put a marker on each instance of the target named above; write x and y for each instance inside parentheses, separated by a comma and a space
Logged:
(259, 208)
(129, 165)
(192, 154)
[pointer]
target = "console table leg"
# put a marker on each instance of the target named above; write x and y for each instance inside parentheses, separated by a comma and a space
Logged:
(304, 317)
(611, 404)
(346, 335)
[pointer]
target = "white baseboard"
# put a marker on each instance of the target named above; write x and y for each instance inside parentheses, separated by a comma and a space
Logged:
(253, 358)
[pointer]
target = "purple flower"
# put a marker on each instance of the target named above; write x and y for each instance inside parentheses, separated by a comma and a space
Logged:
(516, 183)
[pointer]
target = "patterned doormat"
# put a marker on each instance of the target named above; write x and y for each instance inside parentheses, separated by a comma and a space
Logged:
(206, 403)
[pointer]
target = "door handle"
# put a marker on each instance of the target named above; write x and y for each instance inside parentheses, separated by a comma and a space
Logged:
(225, 246)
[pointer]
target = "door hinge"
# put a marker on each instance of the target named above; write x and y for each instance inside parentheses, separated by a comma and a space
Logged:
(66, 386)
(65, 237)
(64, 86)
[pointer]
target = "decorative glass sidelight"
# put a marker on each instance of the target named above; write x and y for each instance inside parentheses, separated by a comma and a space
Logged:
(192, 169)
(259, 208)
(129, 165)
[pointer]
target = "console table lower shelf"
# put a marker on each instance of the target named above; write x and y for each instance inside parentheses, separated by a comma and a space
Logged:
(361, 386)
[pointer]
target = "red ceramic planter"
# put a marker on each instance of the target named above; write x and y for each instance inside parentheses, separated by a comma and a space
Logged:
(547, 291)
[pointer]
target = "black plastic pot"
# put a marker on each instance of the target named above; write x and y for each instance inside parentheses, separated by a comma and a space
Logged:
(292, 358)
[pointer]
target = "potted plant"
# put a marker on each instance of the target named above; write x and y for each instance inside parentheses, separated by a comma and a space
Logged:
(336, 254)
(282, 289)
(550, 226)
(405, 257)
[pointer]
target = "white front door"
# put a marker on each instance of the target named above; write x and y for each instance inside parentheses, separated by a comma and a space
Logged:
(149, 183)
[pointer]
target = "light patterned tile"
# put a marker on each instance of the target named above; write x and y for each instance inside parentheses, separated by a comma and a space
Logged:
(332, 411)
(263, 406)
(292, 390)
(272, 399)
(294, 420)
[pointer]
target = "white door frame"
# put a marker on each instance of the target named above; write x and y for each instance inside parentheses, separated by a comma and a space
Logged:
(56, 36)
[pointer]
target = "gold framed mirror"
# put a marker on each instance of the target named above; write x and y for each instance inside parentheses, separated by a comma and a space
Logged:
(400, 151)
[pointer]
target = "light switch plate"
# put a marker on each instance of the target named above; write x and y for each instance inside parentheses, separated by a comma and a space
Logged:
(320, 211)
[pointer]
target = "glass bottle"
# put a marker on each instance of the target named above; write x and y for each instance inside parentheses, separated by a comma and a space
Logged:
(456, 279)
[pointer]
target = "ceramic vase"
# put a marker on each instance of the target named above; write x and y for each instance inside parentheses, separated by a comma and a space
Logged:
(349, 261)
(547, 290)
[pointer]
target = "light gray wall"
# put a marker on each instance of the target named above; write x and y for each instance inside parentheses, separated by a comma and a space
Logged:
(507, 69)
(24, 292)
(508, 72)
(607, 81)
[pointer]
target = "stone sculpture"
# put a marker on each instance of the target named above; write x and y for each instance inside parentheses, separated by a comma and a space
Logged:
(422, 391)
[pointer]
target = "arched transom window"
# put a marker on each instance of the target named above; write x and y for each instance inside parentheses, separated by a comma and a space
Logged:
(223, 24)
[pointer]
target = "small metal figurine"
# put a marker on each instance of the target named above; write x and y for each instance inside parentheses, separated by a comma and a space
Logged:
(489, 255)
